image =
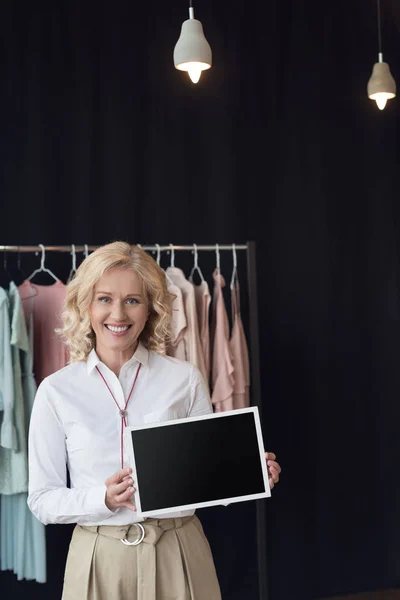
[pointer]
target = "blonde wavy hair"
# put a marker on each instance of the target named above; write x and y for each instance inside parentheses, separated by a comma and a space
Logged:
(77, 330)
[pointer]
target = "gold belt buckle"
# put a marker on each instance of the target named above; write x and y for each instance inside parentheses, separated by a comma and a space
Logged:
(140, 538)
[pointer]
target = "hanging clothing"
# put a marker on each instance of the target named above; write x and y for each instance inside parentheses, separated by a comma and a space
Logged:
(203, 301)
(35, 533)
(8, 435)
(14, 462)
(222, 367)
(50, 353)
(193, 349)
(23, 537)
(23, 546)
(173, 561)
(179, 324)
(240, 354)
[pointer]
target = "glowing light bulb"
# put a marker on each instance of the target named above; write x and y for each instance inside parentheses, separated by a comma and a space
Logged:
(194, 70)
(381, 100)
(192, 52)
(381, 85)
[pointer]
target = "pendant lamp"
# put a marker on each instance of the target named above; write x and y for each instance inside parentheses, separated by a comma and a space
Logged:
(381, 85)
(192, 52)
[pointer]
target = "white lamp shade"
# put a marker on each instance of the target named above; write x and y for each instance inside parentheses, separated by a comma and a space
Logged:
(381, 83)
(192, 47)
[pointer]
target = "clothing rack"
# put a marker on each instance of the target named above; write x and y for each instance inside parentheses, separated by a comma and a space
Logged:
(147, 248)
(255, 388)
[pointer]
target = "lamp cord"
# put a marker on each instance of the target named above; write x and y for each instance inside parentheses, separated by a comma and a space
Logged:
(379, 26)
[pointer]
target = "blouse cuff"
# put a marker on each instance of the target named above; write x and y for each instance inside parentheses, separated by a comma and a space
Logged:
(96, 500)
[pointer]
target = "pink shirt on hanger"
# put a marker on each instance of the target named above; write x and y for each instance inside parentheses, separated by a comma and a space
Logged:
(46, 301)
(203, 301)
(240, 354)
(222, 366)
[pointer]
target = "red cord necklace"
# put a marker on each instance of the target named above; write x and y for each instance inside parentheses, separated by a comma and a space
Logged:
(122, 411)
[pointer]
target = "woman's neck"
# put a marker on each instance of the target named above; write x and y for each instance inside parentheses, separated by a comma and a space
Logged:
(115, 360)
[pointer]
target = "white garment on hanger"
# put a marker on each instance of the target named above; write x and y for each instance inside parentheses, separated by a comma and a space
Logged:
(8, 436)
(203, 301)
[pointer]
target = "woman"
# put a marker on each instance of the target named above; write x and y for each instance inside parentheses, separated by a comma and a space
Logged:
(117, 326)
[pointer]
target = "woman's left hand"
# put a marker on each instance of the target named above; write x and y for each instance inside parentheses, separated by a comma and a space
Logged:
(274, 468)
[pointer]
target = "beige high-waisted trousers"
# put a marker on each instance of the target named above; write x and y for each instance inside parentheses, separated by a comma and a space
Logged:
(173, 562)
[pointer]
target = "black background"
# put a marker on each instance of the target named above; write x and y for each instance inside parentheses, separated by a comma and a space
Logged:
(101, 138)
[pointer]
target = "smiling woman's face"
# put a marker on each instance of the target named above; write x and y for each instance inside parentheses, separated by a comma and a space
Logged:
(118, 312)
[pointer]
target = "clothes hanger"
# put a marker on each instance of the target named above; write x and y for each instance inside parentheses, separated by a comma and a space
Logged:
(172, 255)
(42, 268)
(158, 259)
(24, 278)
(22, 275)
(73, 268)
(218, 258)
(234, 272)
(19, 267)
(196, 266)
(6, 276)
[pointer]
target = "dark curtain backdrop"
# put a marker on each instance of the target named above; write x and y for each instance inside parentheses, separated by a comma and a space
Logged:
(101, 138)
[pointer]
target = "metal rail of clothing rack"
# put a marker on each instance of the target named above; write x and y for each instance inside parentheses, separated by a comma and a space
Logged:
(255, 389)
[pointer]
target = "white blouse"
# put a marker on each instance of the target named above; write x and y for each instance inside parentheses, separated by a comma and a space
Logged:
(76, 422)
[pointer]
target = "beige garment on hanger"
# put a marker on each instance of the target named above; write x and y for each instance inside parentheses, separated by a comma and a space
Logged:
(203, 301)
(193, 349)
(240, 354)
(179, 323)
(222, 366)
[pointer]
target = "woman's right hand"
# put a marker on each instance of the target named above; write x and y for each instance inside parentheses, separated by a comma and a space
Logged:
(119, 490)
